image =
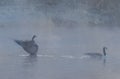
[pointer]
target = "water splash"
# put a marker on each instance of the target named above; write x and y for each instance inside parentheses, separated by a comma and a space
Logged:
(63, 56)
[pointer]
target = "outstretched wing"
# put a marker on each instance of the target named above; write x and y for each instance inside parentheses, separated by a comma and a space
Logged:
(20, 42)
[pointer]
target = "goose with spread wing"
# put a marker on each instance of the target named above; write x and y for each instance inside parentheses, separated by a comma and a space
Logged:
(29, 45)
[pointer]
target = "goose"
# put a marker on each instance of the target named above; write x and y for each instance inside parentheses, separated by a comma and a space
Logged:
(97, 55)
(29, 45)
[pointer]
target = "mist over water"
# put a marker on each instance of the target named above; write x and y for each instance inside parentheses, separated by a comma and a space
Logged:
(65, 29)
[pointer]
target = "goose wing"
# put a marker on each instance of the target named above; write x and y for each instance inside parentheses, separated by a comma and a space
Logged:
(29, 46)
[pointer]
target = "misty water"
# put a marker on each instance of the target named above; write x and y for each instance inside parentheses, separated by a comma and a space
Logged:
(65, 30)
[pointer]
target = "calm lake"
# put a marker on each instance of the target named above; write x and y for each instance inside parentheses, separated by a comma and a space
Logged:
(65, 30)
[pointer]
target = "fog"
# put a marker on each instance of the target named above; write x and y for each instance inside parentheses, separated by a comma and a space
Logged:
(65, 30)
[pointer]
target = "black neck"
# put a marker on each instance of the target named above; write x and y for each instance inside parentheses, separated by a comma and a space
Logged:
(104, 51)
(33, 38)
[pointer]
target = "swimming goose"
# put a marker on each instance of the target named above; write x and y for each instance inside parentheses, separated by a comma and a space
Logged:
(97, 55)
(29, 45)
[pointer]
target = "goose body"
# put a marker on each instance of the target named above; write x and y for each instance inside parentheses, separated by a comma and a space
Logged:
(29, 46)
(97, 55)
(93, 54)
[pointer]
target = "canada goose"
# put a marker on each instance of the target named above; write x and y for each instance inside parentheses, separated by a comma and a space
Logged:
(29, 45)
(97, 55)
